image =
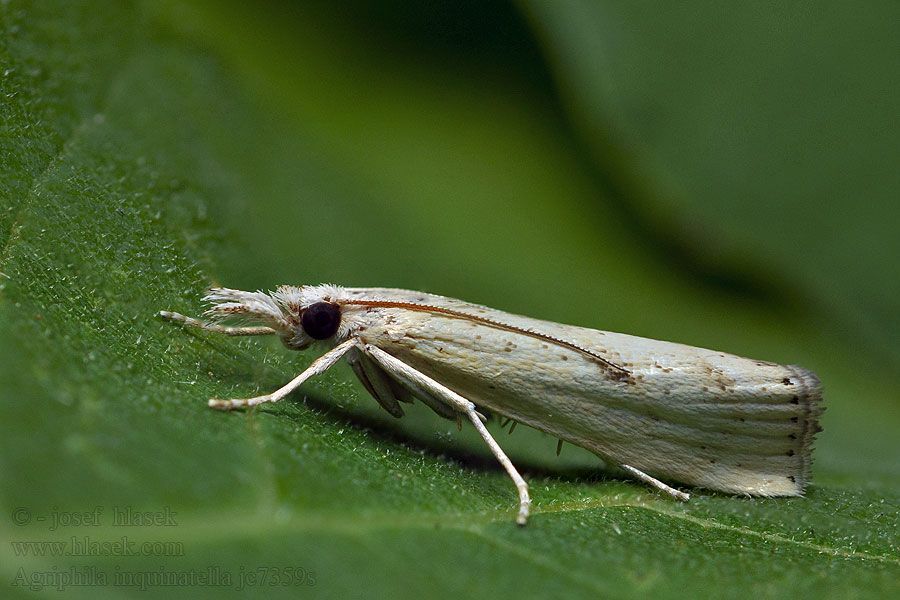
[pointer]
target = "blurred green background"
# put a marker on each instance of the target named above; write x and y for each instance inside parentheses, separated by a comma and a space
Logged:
(719, 175)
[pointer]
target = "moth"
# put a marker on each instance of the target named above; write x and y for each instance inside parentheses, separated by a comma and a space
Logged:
(656, 409)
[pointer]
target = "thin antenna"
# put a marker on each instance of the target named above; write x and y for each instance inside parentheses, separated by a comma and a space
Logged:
(490, 322)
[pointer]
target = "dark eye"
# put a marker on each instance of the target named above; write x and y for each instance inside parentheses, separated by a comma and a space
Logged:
(321, 320)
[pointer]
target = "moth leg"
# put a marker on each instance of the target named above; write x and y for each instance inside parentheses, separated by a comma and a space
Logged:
(392, 390)
(441, 408)
(180, 318)
(657, 483)
(397, 390)
(405, 393)
(440, 403)
(375, 381)
(320, 365)
(419, 381)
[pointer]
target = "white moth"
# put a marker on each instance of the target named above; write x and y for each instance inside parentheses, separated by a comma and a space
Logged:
(686, 414)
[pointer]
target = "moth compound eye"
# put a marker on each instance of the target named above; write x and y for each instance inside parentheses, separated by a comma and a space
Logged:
(321, 320)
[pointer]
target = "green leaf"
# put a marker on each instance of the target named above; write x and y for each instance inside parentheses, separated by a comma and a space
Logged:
(152, 149)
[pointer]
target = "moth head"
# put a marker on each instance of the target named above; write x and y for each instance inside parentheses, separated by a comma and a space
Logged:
(300, 315)
(315, 312)
(320, 320)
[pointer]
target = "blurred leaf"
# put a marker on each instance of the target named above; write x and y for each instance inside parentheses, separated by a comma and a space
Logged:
(150, 149)
(758, 138)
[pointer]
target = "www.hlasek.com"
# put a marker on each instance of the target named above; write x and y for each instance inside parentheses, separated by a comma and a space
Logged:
(83, 545)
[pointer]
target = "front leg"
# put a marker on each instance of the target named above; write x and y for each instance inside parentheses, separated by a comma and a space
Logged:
(206, 326)
(320, 365)
(418, 380)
